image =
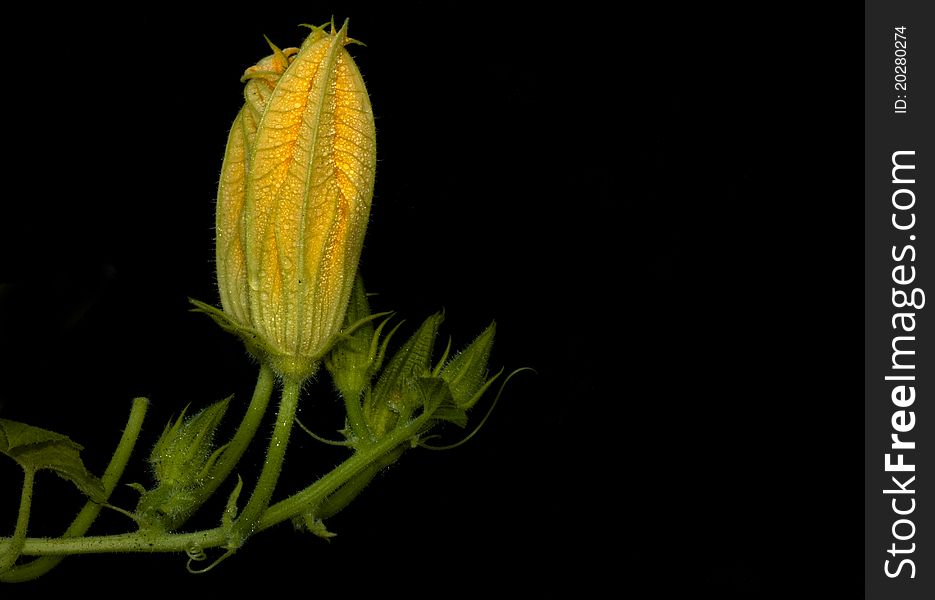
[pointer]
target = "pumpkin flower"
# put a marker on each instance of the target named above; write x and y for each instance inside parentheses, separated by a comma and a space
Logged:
(294, 201)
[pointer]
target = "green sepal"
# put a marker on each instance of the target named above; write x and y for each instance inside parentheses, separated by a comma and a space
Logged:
(251, 338)
(466, 373)
(35, 449)
(314, 525)
(438, 404)
(292, 367)
(230, 511)
(138, 487)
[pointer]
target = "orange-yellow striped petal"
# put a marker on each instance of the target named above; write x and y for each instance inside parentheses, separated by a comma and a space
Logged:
(295, 191)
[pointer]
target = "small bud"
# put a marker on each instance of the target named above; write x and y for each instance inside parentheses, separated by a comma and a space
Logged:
(355, 359)
(396, 394)
(466, 373)
(181, 459)
(294, 201)
(181, 455)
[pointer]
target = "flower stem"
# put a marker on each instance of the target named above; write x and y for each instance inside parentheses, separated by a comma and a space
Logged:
(342, 496)
(8, 558)
(313, 495)
(355, 417)
(246, 523)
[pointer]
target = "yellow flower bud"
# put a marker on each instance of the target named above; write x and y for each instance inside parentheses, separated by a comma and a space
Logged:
(294, 200)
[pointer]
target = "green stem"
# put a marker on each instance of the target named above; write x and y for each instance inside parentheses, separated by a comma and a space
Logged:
(8, 558)
(125, 542)
(90, 511)
(247, 521)
(314, 494)
(236, 447)
(355, 416)
(343, 496)
(295, 505)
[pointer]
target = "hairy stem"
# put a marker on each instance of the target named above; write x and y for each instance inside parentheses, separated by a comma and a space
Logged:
(343, 496)
(355, 417)
(247, 521)
(9, 556)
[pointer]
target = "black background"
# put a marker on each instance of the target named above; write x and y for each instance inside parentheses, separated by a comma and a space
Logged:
(660, 208)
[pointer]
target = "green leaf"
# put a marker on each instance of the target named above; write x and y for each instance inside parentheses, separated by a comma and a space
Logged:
(34, 448)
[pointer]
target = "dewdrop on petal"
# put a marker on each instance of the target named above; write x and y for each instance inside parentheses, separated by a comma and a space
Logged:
(294, 201)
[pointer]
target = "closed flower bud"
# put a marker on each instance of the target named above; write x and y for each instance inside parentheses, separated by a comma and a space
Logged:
(358, 356)
(294, 201)
(466, 373)
(182, 460)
